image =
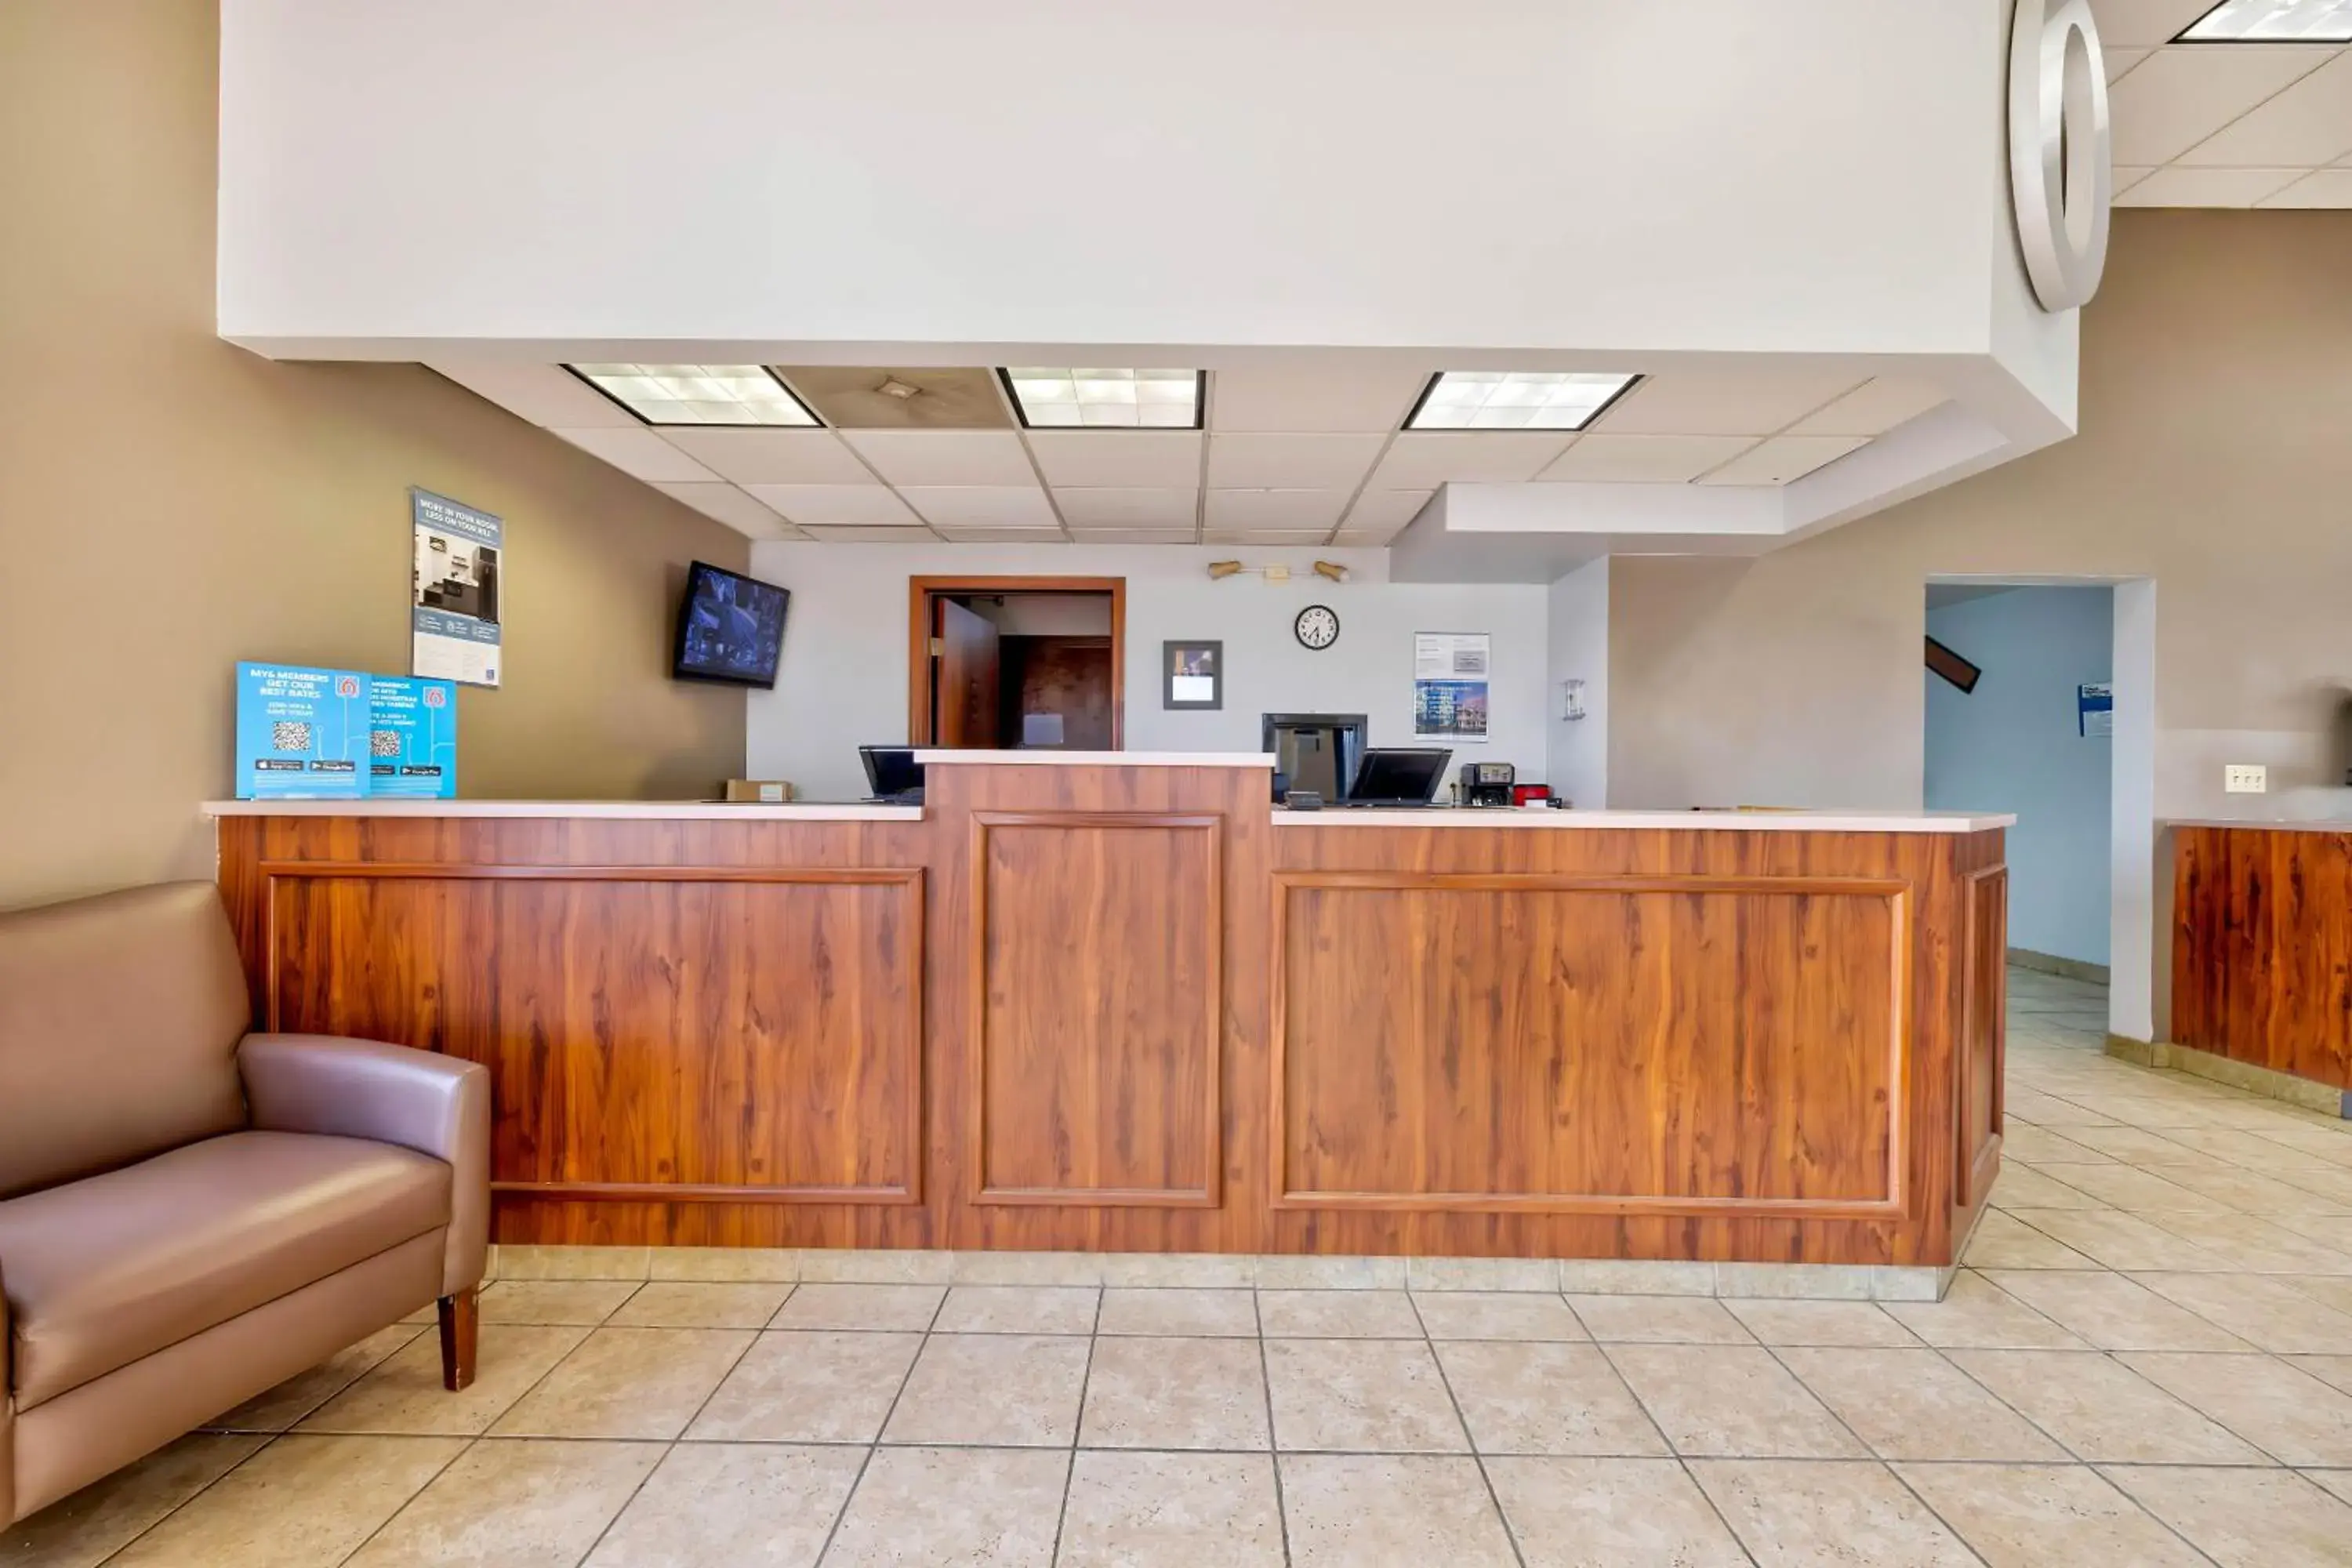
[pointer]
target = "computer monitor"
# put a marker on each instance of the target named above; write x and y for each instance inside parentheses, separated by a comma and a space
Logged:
(892, 773)
(1399, 775)
(1317, 753)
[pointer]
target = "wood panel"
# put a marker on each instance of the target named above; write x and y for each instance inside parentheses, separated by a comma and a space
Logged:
(1608, 1044)
(2261, 948)
(1984, 998)
(745, 1035)
(1094, 1025)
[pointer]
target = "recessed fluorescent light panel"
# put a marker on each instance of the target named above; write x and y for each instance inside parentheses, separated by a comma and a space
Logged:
(1514, 399)
(2273, 22)
(1106, 399)
(697, 393)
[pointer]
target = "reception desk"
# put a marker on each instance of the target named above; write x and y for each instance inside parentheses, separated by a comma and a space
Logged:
(1116, 1003)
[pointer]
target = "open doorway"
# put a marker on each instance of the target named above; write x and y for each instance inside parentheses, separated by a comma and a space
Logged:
(2024, 723)
(1017, 663)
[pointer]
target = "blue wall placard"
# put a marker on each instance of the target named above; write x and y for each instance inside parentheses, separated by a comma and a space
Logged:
(2095, 710)
(412, 737)
(301, 733)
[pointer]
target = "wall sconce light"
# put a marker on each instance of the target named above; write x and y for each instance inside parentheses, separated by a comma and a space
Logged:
(1572, 703)
(1221, 570)
(1274, 572)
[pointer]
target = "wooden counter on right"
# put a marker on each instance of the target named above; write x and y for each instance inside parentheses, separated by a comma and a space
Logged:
(2262, 945)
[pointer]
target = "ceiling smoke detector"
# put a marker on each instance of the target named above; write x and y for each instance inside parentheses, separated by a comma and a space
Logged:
(893, 387)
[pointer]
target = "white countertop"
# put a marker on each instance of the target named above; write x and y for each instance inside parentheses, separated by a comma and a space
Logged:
(1103, 759)
(626, 810)
(1684, 821)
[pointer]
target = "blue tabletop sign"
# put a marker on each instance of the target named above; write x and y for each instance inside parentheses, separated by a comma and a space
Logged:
(301, 733)
(412, 737)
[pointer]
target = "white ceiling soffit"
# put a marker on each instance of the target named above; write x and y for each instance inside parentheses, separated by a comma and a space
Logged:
(2236, 124)
(1731, 454)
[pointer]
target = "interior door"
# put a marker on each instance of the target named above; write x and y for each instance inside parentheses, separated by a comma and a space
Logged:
(965, 691)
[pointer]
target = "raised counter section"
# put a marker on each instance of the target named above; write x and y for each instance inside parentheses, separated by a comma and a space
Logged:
(1665, 821)
(1051, 759)
(1108, 1008)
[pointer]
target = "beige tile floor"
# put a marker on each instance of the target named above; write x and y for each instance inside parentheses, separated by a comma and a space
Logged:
(2148, 1362)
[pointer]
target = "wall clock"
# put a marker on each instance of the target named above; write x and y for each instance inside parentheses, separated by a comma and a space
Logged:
(1318, 626)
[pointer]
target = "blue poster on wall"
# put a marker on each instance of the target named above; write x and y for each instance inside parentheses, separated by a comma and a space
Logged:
(412, 737)
(301, 733)
(2095, 710)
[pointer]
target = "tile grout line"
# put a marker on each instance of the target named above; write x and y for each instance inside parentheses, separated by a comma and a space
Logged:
(1494, 1498)
(1881, 1460)
(1273, 1442)
(1680, 1460)
(683, 1426)
(1078, 1428)
(841, 1514)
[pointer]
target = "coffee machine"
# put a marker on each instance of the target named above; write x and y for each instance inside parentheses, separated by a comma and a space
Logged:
(1486, 784)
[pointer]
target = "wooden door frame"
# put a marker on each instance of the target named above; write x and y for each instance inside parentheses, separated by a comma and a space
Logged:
(921, 591)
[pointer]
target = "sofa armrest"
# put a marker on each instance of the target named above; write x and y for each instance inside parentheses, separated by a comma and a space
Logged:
(390, 1094)
(7, 1420)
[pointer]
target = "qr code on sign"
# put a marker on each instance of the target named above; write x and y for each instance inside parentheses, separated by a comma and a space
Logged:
(384, 742)
(290, 735)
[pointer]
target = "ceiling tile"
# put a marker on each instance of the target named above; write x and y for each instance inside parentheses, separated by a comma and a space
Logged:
(1872, 409)
(1610, 459)
(873, 535)
(638, 451)
(1157, 459)
(2307, 124)
(772, 457)
(1311, 398)
(1293, 538)
(1261, 461)
(2183, 187)
(981, 506)
(1123, 507)
(1004, 535)
(1385, 511)
(1364, 539)
(2145, 23)
(2127, 178)
(2320, 188)
(959, 397)
(1132, 535)
(2118, 61)
(546, 394)
(1724, 402)
(731, 506)
(945, 456)
(834, 506)
(1419, 461)
(1784, 458)
(1236, 510)
(2180, 96)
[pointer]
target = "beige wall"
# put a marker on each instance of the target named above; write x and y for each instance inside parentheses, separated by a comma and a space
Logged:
(170, 504)
(2213, 462)
(2215, 458)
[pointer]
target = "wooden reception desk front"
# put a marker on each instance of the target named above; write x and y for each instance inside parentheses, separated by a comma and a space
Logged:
(1117, 1003)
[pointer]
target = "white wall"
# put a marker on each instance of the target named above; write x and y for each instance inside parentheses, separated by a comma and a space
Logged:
(2012, 745)
(843, 676)
(1577, 613)
(1712, 176)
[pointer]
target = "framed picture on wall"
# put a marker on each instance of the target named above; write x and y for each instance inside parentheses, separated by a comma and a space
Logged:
(1192, 674)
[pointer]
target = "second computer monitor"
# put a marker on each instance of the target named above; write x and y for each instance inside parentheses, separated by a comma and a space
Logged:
(1399, 775)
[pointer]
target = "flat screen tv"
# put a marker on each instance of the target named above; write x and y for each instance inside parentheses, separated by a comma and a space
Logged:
(730, 627)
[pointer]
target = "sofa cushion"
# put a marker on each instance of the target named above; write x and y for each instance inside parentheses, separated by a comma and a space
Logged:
(118, 1021)
(101, 1272)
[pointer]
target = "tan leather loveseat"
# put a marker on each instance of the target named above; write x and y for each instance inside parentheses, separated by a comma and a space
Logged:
(190, 1214)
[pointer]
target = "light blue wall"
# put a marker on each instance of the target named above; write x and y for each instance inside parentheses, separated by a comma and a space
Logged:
(2012, 745)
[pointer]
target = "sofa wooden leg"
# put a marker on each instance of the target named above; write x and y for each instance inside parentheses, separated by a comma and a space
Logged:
(460, 1319)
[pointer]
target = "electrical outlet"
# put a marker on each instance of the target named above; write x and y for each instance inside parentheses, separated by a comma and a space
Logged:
(2245, 778)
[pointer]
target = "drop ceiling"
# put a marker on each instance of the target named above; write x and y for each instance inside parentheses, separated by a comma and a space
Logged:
(2223, 124)
(1299, 454)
